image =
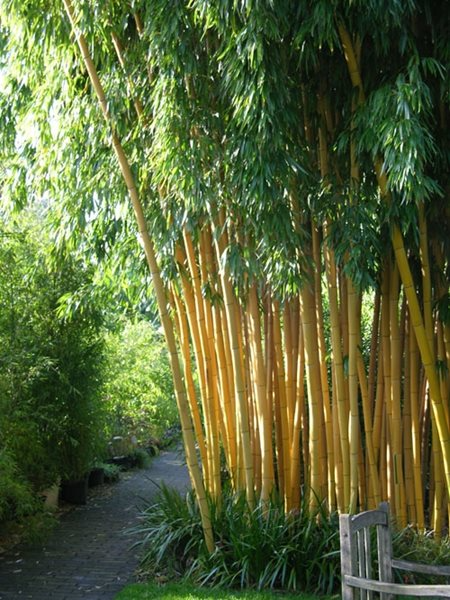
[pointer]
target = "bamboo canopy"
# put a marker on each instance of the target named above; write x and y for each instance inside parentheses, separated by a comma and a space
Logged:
(287, 164)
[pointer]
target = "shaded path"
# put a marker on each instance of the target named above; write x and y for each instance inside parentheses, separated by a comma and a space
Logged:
(87, 556)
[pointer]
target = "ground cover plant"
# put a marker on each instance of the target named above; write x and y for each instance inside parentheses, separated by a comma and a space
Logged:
(257, 547)
(153, 591)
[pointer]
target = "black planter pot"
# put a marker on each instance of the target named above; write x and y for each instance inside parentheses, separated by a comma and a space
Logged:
(75, 492)
(96, 477)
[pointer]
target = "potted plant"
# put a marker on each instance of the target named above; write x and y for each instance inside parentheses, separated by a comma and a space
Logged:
(76, 452)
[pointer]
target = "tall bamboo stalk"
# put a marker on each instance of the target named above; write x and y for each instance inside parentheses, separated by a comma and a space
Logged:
(183, 406)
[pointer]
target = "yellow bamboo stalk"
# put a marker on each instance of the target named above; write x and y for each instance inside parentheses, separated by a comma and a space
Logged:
(207, 353)
(386, 354)
(353, 340)
(437, 514)
(383, 469)
(252, 409)
(289, 362)
(191, 313)
(339, 392)
(374, 486)
(343, 314)
(295, 327)
(283, 408)
(268, 335)
(395, 399)
(426, 352)
(379, 407)
(220, 320)
(298, 419)
(279, 450)
(217, 350)
(307, 308)
(441, 360)
(180, 392)
(327, 413)
(426, 278)
(183, 335)
(262, 403)
(338, 467)
(415, 427)
(226, 394)
(239, 379)
(373, 358)
(407, 438)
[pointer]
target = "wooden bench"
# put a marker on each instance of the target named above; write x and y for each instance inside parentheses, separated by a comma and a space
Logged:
(358, 572)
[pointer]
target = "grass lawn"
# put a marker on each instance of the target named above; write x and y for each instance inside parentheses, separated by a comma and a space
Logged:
(179, 591)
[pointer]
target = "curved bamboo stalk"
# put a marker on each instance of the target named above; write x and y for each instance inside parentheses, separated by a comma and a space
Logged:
(180, 392)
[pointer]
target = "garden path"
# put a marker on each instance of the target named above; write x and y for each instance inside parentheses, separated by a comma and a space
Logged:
(87, 556)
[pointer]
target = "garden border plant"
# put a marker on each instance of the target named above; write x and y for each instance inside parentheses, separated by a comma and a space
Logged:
(260, 547)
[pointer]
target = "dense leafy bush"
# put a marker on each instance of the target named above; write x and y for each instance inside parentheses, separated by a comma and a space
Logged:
(51, 414)
(138, 385)
(423, 547)
(261, 547)
(16, 498)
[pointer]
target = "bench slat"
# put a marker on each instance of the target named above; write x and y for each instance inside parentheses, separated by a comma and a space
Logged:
(401, 589)
(356, 565)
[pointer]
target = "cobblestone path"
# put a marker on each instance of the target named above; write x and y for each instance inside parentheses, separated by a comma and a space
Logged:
(87, 556)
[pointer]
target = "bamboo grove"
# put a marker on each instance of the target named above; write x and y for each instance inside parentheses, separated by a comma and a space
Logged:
(287, 163)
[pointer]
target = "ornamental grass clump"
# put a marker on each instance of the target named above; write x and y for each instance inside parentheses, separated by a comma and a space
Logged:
(260, 547)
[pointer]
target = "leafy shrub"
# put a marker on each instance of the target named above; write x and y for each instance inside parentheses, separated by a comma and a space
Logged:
(16, 498)
(51, 415)
(423, 547)
(138, 383)
(112, 472)
(261, 547)
(141, 458)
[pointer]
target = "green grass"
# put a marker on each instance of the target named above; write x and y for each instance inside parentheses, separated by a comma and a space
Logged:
(180, 591)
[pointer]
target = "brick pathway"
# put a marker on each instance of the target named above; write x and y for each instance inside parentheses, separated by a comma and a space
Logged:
(87, 556)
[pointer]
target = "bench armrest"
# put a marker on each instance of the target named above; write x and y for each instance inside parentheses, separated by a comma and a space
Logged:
(415, 567)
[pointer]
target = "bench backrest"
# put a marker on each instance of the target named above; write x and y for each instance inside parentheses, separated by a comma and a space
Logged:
(356, 550)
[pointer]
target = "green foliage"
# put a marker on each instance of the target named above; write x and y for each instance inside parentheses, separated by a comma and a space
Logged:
(137, 383)
(51, 415)
(182, 591)
(16, 497)
(261, 547)
(140, 458)
(112, 472)
(409, 544)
